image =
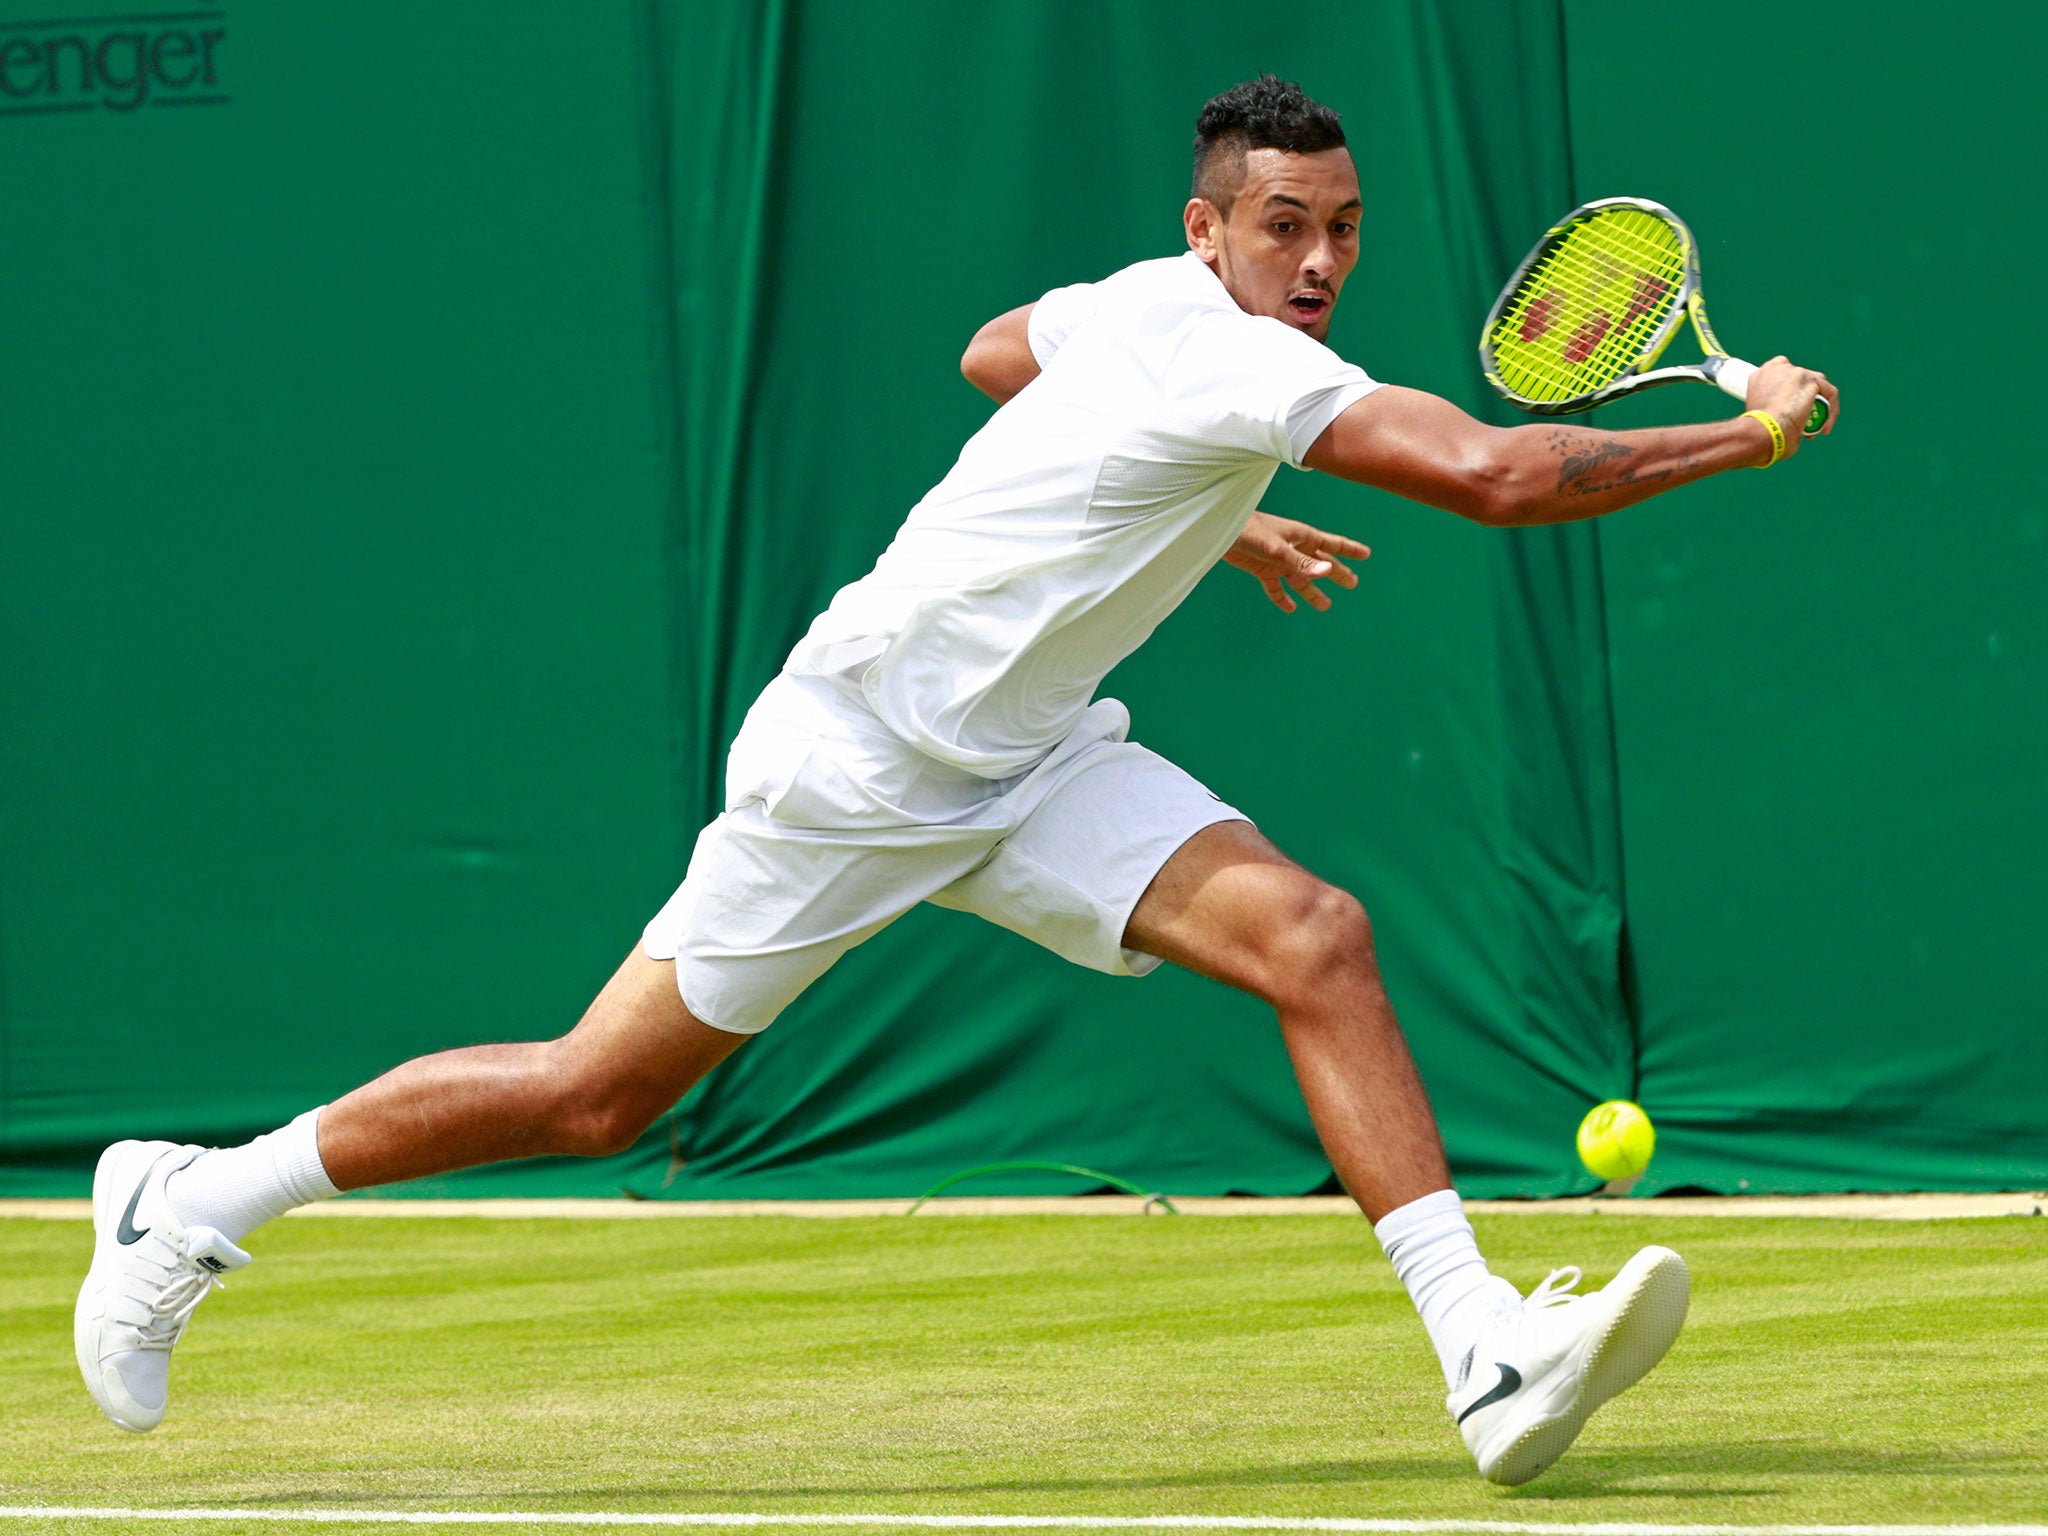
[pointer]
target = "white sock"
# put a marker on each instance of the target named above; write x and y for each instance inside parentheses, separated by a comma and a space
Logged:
(1432, 1249)
(236, 1189)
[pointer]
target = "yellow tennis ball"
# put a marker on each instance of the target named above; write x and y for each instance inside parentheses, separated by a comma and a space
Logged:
(1616, 1140)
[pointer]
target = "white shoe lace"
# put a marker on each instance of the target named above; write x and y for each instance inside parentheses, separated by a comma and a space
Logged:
(172, 1307)
(1553, 1292)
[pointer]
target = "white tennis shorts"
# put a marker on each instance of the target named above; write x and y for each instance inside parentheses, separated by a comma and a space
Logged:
(835, 827)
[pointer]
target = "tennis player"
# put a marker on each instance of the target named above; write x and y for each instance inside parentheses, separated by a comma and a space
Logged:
(936, 737)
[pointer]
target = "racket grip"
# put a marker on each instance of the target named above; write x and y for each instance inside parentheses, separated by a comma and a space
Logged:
(1733, 375)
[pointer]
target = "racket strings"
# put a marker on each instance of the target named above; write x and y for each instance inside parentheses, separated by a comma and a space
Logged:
(1590, 306)
(1595, 303)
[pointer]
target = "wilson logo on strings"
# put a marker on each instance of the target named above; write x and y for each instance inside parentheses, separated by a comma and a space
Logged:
(112, 63)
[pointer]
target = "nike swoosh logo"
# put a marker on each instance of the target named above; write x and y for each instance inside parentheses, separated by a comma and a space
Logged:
(127, 1232)
(1510, 1383)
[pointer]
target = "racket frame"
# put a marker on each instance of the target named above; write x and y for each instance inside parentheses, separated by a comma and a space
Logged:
(1718, 368)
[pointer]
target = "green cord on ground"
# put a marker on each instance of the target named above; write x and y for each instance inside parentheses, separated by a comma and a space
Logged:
(1149, 1197)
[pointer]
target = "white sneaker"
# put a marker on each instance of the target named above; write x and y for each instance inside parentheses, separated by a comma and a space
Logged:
(148, 1274)
(1539, 1370)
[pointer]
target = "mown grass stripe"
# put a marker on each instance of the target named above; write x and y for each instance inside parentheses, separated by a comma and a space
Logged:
(1002, 1522)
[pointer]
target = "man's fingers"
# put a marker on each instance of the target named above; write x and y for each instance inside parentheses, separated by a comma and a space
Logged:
(1335, 570)
(1283, 554)
(1790, 390)
(1280, 534)
(1313, 541)
(1311, 594)
(1320, 567)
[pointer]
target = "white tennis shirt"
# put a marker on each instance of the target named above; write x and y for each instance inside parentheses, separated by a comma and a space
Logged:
(1081, 515)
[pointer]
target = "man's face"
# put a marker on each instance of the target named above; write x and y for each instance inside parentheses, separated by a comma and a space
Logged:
(1290, 239)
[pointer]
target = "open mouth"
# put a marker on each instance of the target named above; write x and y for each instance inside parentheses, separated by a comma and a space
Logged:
(1307, 308)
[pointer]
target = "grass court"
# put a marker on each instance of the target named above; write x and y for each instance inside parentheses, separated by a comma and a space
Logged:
(1833, 1372)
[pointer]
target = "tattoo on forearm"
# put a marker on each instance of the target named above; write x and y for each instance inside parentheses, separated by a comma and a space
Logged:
(1580, 456)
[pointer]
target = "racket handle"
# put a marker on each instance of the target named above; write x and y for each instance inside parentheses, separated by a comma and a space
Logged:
(1732, 375)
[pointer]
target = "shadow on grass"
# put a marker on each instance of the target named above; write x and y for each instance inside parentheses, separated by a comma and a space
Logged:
(1704, 1470)
(1713, 1468)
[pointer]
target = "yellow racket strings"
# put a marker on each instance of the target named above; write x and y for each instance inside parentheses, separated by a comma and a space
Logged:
(1588, 309)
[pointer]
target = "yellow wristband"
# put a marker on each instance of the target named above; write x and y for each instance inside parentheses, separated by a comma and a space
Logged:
(1777, 435)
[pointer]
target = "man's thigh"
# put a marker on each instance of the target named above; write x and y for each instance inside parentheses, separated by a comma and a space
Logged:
(767, 908)
(1086, 846)
(638, 1038)
(835, 827)
(1223, 904)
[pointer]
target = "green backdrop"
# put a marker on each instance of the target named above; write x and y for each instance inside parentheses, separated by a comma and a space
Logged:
(425, 428)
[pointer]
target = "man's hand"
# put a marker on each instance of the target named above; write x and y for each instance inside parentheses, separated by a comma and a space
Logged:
(1282, 554)
(1787, 391)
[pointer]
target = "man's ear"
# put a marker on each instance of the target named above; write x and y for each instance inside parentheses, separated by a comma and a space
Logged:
(1202, 221)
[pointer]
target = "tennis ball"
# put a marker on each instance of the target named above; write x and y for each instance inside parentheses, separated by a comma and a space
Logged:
(1616, 1140)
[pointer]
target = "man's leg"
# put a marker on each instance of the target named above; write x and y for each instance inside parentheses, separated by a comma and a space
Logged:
(182, 1211)
(1523, 1380)
(589, 1094)
(1234, 908)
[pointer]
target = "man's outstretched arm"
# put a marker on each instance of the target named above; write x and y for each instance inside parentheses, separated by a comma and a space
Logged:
(1426, 449)
(999, 361)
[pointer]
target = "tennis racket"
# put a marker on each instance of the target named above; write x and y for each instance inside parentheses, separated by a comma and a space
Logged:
(1586, 316)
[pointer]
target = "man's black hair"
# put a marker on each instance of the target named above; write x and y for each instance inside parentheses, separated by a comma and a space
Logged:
(1266, 113)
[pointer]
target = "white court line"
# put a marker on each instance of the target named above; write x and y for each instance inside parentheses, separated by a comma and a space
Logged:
(1894, 1207)
(1006, 1522)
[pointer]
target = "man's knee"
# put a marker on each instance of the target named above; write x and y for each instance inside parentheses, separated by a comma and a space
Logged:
(593, 1112)
(1321, 936)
